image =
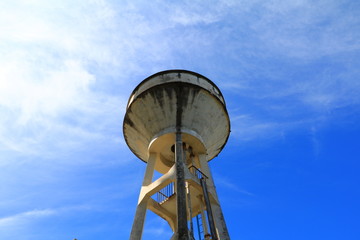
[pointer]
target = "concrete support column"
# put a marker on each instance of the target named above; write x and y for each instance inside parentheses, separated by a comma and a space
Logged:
(138, 225)
(182, 228)
(220, 224)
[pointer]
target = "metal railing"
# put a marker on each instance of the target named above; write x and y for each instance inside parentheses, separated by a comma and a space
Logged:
(165, 193)
(197, 172)
(169, 190)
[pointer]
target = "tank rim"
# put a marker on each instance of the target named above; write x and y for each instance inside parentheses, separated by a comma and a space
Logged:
(174, 71)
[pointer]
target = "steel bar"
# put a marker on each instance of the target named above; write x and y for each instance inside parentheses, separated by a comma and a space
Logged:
(208, 210)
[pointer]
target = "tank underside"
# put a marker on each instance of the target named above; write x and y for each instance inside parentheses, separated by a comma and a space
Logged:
(182, 103)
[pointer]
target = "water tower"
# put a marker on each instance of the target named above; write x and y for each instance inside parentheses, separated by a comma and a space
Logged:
(176, 121)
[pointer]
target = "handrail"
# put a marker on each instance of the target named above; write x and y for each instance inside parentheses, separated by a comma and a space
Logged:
(197, 172)
(164, 194)
(169, 190)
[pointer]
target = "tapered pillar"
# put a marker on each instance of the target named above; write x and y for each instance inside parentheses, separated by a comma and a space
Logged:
(219, 220)
(138, 225)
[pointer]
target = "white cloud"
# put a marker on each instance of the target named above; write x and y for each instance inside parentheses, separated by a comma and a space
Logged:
(307, 29)
(48, 80)
(192, 14)
(20, 219)
(286, 41)
(56, 55)
(226, 183)
(24, 89)
(247, 128)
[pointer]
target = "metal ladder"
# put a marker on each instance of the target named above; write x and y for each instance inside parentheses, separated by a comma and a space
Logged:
(210, 216)
(200, 226)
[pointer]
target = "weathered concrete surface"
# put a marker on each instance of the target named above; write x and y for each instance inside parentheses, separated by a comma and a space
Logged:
(138, 224)
(154, 104)
(220, 224)
(175, 120)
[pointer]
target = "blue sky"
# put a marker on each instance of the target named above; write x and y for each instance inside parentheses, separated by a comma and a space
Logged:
(289, 72)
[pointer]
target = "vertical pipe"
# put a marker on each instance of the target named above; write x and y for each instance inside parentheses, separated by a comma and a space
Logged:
(180, 189)
(208, 210)
(218, 215)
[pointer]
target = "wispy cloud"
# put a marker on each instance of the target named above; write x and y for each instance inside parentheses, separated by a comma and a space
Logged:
(315, 142)
(247, 128)
(305, 32)
(226, 183)
(24, 217)
(48, 82)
